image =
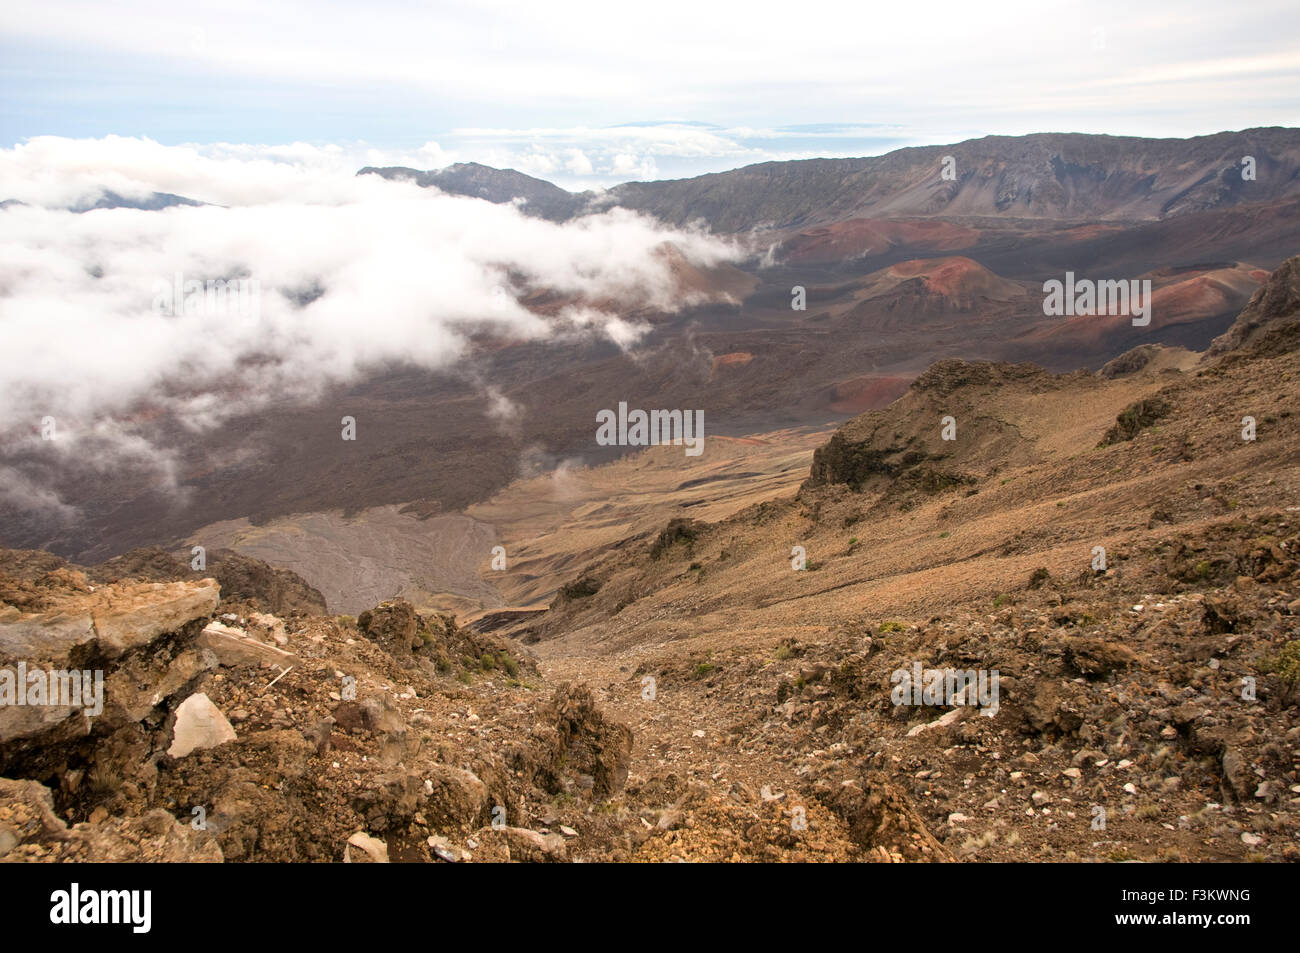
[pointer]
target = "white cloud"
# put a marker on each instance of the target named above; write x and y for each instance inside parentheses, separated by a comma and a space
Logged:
(577, 162)
(819, 61)
(627, 165)
(399, 274)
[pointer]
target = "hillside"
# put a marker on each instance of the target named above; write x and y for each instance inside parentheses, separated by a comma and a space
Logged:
(691, 693)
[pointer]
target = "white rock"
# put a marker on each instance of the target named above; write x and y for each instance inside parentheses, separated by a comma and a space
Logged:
(199, 724)
(234, 646)
(375, 850)
(947, 719)
(1251, 840)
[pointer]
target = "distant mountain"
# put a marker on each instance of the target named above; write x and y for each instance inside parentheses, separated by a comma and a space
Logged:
(151, 203)
(498, 186)
(1065, 177)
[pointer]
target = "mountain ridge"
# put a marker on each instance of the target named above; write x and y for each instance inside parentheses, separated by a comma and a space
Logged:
(1053, 176)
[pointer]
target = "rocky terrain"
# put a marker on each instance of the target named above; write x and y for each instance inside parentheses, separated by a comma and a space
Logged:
(1120, 547)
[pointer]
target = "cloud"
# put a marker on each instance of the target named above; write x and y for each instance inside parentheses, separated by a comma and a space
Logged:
(309, 70)
(21, 492)
(342, 274)
(628, 165)
(578, 163)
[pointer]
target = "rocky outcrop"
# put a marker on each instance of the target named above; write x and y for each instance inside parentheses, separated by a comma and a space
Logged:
(274, 739)
(106, 622)
(1135, 418)
(234, 646)
(1130, 362)
(243, 579)
(904, 443)
(109, 634)
(393, 625)
(1271, 320)
(577, 748)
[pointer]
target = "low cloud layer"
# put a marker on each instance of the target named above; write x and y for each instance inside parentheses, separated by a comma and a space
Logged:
(352, 273)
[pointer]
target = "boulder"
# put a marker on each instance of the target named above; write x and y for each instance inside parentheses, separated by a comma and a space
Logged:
(393, 625)
(234, 646)
(125, 619)
(456, 798)
(199, 724)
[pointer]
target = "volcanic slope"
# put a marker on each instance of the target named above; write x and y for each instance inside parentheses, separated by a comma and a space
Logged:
(738, 708)
(1158, 693)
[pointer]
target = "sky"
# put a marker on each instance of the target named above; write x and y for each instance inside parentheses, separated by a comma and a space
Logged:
(589, 94)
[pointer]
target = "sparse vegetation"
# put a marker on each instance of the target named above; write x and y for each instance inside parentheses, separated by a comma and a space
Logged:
(677, 531)
(1133, 419)
(1286, 666)
(580, 588)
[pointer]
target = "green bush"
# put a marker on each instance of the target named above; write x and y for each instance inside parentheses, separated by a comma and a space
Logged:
(1286, 666)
